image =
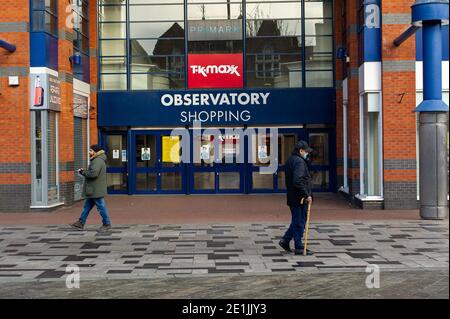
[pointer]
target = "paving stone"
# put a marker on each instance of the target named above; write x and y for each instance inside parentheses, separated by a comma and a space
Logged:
(220, 249)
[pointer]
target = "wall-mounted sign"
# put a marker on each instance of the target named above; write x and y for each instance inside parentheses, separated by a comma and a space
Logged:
(217, 107)
(216, 99)
(219, 101)
(116, 154)
(211, 30)
(80, 105)
(45, 92)
(124, 155)
(215, 71)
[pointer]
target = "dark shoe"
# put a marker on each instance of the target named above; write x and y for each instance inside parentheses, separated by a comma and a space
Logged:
(104, 228)
(300, 252)
(285, 246)
(77, 225)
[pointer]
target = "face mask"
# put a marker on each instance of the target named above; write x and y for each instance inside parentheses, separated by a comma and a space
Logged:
(306, 156)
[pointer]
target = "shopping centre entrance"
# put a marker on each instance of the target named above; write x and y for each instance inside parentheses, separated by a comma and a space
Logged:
(214, 161)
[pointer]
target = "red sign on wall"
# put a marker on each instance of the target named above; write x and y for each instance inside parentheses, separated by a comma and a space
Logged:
(215, 71)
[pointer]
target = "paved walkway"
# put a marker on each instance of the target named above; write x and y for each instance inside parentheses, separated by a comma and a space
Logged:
(205, 209)
(393, 284)
(39, 253)
(222, 247)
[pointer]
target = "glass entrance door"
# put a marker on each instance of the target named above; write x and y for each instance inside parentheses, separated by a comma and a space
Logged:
(323, 159)
(117, 163)
(157, 163)
(262, 155)
(216, 167)
(322, 164)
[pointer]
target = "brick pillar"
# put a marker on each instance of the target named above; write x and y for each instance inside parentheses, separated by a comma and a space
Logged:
(65, 70)
(399, 100)
(15, 169)
(94, 71)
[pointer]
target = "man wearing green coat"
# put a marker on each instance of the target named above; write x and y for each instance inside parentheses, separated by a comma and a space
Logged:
(94, 189)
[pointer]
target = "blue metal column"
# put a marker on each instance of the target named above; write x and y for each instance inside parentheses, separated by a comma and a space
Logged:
(431, 14)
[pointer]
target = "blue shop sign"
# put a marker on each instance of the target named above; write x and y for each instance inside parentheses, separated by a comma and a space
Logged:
(217, 107)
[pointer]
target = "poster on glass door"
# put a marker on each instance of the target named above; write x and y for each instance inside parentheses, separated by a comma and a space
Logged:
(145, 154)
(204, 152)
(262, 152)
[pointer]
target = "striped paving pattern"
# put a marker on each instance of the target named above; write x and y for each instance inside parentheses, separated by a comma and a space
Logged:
(30, 253)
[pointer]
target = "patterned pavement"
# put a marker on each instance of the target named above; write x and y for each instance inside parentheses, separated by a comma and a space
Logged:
(417, 284)
(42, 253)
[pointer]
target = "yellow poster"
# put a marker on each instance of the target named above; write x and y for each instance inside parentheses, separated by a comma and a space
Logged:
(171, 149)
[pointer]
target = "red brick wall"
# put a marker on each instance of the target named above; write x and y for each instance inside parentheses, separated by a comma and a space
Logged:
(399, 120)
(14, 11)
(93, 66)
(65, 69)
(15, 119)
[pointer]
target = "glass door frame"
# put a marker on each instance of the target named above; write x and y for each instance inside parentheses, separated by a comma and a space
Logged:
(158, 168)
(116, 170)
(217, 168)
(301, 134)
(331, 167)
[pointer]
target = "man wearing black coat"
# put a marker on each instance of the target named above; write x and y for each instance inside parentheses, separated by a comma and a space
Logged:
(298, 184)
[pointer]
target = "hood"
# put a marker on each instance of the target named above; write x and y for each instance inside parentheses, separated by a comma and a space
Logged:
(100, 154)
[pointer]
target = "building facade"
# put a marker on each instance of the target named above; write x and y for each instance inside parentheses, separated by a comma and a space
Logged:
(48, 101)
(209, 97)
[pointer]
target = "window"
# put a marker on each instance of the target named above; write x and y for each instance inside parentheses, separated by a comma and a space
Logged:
(267, 65)
(319, 43)
(214, 10)
(215, 27)
(112, 45)
(286, 43)
(45, 159)
(81, 38)
(45, 16)
(52, 157)
(152, 56)
(81, 139)
(273, 10)
(38, 196)
(274, 44)
(371, 138)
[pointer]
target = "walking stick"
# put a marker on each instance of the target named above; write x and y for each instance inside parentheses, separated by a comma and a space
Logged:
(307, 228)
